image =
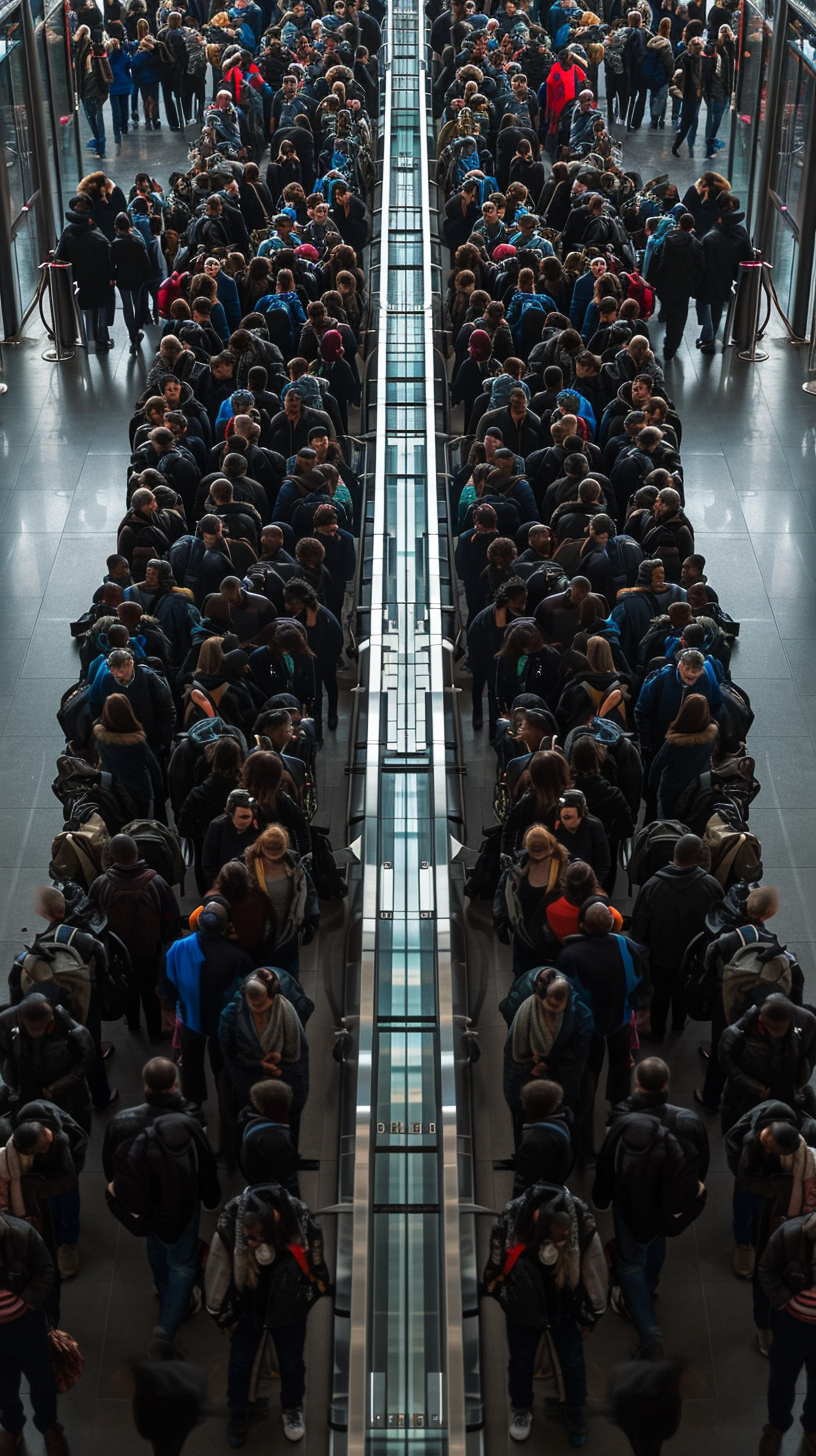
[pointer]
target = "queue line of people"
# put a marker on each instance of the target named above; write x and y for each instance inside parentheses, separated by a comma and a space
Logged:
(618, 731)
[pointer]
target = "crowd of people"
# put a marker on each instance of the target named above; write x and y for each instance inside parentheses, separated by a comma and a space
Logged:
(618, 732)
(208, 656)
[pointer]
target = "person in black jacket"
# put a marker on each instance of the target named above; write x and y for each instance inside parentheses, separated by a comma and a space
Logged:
(131, 269)
(207, 800)
(726, 246)
(28, 1274)
(649, 1171)
(229, 834)
(161, 1175)
(87, 249)
(325, 637)
(267, 1153)
(670, 909)
(581, 834)
(610, 973)
(545, 1153)
(676, 272)
(786, 1278)
(44, 1052)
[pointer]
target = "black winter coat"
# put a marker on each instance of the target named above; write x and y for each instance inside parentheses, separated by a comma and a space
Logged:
(88, 251)
(671, 909)
(724, 248)
(752, 1061)
(26, 1267)
(677, 271)
(127, 1124)
(786, 1267)
(130, 265)
(60, 1060)
(544, 1155)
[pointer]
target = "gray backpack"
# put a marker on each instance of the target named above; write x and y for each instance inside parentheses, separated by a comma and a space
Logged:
(757, 969)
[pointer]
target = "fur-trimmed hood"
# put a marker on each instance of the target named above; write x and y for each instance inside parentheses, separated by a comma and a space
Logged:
(121, 740)
(692, 740)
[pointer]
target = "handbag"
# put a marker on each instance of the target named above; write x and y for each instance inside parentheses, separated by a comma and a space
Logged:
(67, 1360)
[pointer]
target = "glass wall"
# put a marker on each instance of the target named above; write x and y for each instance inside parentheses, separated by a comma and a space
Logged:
(42, 79)
(788, 192)
(752, 70)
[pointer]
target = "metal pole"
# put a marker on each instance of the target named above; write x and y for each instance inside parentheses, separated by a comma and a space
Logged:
(9, 301)
(766, 212)
(43, 204)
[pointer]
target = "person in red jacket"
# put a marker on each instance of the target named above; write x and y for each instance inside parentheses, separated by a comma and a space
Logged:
(563, 84)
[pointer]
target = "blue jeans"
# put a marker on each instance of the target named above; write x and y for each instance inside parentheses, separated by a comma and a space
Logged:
(175, 1267)
(715, 113)
(24, 1352)
(119, 108)
(96, 121)
(689, 112)
(709, 315)
(289, 1342)
(746, 1210)
(522, 1343)
(794, 1345)
(65, 1209)
(639, 1268)
(657, 102)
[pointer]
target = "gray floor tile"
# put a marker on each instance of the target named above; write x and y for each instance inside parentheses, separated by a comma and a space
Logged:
(775, 512)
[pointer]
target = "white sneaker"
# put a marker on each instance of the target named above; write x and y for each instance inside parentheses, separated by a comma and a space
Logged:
(521, 1425)
(293, 1426)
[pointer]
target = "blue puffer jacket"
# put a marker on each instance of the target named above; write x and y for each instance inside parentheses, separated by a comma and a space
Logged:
(662, 695)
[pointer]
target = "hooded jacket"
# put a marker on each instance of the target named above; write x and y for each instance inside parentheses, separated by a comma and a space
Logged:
(59, 1060)
(226, 1284)
(787, 1266)
(130, 759)
(635, 610)
(724, 248)
(677, 269)
(670, 909)
(87, 249)
(662, 696)
(544, 1154)
(566, 1058)
(582, 1295)
(681, 759)
(26, 1267)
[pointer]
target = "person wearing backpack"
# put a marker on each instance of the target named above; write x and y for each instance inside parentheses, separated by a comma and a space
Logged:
(202, 973)
(664, 692)
(142, 911)
(69, 1146)
(546, 1270)
(267, 1153)
(549, 1036)
(545, 1153)
(670, 909)
(160, 1180)
(761, 905)
(649, 1170)
(768, 1052)
(610, 972)
(265, 1273)
(676, 273)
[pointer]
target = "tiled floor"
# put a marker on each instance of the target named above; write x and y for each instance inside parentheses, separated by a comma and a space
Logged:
(749, 441)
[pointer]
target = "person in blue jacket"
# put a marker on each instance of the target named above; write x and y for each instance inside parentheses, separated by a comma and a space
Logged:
(202, 974)
(664, 693)
(227, 291)
(285, 298)
(583, 291)
(526, 297)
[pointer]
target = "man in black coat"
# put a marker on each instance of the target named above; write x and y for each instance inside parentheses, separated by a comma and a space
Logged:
(521, 429)
(229, 834)
(176, 464)
(676, 273)
(87, 249)
(725, 246)
(670, 910)
(267, 1154)
(651, 1097)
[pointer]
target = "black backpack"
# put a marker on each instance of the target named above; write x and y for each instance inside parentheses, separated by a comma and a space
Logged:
(483, 880)
(75, 717)
(734, 717)
(326, 877)
(156, 1179)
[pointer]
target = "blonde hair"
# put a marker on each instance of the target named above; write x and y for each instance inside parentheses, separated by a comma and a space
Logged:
(539, 841)
(599, 655)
